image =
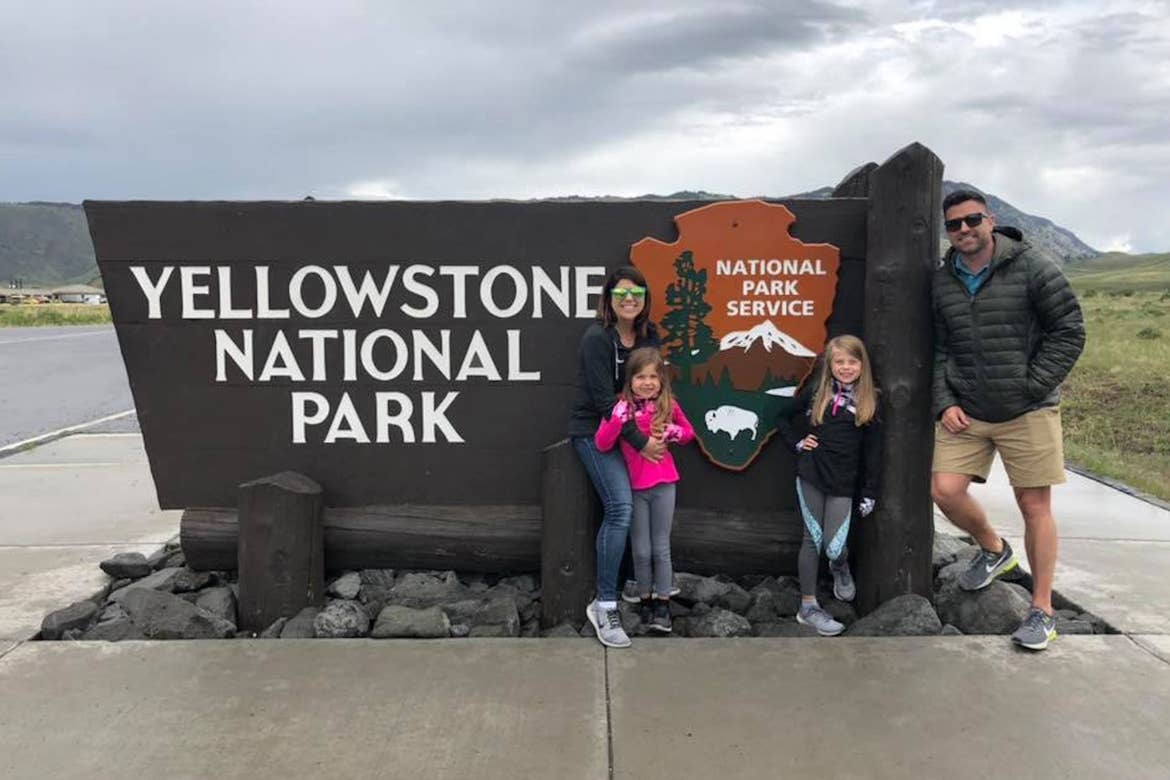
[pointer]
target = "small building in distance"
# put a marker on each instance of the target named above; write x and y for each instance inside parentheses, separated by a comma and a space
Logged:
(78, 293)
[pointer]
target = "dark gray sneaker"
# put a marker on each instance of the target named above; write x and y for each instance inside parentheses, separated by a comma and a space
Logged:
(660, 620)
(607, 623)
(1037, 630)
(813, 615)
(630, 593)
(986, 566)
(844, 589)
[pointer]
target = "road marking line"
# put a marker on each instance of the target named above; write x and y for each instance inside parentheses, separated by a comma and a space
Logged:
(44, 438)
(112, 435)
(56, 338)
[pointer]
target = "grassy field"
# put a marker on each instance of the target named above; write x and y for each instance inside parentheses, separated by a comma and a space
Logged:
(1116, 403)
(23, 315)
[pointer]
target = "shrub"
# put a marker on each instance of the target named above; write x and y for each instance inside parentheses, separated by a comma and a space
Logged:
(1149, 333)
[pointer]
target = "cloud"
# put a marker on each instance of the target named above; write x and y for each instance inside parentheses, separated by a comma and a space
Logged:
(1056, 107)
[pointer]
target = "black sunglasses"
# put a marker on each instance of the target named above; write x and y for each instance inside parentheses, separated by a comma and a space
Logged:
(972, 220)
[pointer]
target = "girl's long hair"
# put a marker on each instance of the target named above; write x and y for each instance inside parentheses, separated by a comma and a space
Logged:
(638, 360)
(864, 393)
(605, 313)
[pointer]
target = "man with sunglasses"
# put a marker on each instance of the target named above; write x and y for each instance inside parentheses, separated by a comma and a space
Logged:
(1007, 331)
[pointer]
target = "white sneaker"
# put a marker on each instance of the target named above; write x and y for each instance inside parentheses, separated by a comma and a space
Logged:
(813, 615)
(607, 623)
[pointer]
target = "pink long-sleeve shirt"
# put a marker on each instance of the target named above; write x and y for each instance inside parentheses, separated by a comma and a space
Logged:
(644, 474)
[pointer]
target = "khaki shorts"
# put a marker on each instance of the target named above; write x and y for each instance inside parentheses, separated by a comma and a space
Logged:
(1031, 447)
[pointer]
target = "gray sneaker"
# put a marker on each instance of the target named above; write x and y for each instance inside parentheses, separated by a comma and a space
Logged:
(986, 566)
(819, 619)
(630, 593)
(844, 588)
(1037, 630)
(608, 625)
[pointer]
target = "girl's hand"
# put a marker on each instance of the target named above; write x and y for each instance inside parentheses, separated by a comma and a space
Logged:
(807, 443)
(621, 410)
(865, 506)
(672, 433)
(654, 450)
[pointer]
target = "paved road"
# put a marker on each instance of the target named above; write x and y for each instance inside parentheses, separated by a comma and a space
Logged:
(51, 378)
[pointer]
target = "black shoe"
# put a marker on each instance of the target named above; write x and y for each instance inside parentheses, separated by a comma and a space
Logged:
(646, 611)
(660, 620)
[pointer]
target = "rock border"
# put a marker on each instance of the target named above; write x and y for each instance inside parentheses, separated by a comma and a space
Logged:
(159, 597)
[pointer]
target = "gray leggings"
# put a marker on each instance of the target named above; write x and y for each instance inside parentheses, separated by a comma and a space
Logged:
(650, 538)
(826, 527)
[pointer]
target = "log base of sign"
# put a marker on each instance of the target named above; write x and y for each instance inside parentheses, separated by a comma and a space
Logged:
(280, 551)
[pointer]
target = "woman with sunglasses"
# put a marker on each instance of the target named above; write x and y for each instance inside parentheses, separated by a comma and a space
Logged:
(622, 325)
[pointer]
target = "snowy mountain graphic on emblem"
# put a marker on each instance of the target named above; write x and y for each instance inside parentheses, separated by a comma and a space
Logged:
(766, 335)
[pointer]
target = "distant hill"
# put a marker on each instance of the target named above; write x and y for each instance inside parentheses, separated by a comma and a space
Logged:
(1115, 271)
(1059, 242)
(47, 244)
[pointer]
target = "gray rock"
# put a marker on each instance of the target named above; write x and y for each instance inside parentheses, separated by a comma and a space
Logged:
(75, 616)
(419, 590)
(734, 598)
(460, 630)
(1068, 614)
(763, 607)
(530, 630)
(377, 578)
(220, 602)
(719, 622)
(162, 615)
(699, 609)
(1070, 627)
(631, 618)
(997, 609)
(347, 586)
(841, 611)
(906, 615)
(948, 549)
(563, 631)
(188, 580)
(789, 628)
(491, 632)
(162, 580)
(694, 589)
(785, 594)
(951, 571)
(114, 631)
(1020, 590)
(273, 631)
(300, 625)
(587, 631)
(112, 612)
(158, 558)
(502, 590)
(399, 621)
(476, 583)
(500, 613)
(524, 582)
(949, 630)
(463, 611)
(678, 609)
(531, 612)
(131, 565)
(342, 619)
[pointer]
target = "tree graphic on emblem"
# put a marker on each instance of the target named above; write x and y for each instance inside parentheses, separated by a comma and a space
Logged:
(687, 337)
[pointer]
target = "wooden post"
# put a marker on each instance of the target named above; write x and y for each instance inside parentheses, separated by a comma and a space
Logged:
(571, 510)
(856, 182)
(893, 549)
(281, 554)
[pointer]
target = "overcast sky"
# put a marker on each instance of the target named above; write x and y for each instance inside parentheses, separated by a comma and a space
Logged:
(1061, 108)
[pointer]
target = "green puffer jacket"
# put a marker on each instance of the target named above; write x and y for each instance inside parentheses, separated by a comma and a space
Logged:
(1005, 350)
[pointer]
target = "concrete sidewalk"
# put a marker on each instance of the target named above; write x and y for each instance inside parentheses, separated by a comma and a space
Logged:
(848, 707)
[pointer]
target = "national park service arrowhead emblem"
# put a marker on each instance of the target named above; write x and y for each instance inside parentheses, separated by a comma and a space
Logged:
(741, 307)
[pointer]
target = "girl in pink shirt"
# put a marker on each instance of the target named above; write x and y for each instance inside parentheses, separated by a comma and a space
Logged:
(646, 398)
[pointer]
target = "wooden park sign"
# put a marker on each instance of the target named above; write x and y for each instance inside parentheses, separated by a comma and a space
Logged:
(417, 361)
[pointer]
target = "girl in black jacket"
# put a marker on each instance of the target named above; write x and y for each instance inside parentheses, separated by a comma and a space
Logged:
(838, 459)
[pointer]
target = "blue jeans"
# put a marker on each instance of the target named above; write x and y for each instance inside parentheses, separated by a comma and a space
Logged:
(610, 479)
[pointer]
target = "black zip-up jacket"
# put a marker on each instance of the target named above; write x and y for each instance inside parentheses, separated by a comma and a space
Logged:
(601, 372)
(1004, 351)
(847, 459)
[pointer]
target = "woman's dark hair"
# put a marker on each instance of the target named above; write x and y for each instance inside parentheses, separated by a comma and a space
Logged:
(605, 314)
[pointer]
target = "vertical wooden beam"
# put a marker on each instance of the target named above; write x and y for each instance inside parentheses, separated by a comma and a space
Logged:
(281, 553)
(570, 509)
(893, 549)
(856, 182)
